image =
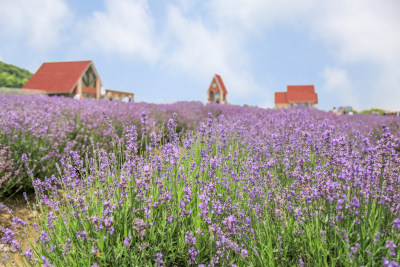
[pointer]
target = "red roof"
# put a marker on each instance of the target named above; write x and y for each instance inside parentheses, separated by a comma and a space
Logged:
(297, 94)
(301, 93)
(58, 77)
(221, 83)
(280, 98)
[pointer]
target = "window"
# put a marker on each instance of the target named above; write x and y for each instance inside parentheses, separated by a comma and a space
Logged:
(89, 79)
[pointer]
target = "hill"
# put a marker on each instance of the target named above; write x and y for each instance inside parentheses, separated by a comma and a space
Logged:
(13, 76)
(373, 111)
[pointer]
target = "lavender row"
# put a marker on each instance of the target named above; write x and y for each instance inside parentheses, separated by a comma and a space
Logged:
(45, 128)
(241, 186)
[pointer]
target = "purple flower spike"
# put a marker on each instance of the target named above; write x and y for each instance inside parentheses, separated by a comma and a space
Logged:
(127, 241)
(159, 259)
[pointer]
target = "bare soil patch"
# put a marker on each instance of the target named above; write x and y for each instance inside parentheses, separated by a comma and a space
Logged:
(20, 209)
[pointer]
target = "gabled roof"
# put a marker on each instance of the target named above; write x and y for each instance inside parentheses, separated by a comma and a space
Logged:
(58, 77)
(221, 83)
(301, 93)
(280, 98)
(297, 94)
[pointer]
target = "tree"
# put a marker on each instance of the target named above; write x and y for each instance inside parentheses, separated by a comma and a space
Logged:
(13, 76)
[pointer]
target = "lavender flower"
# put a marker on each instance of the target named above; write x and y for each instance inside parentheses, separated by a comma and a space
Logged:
(159, 261)
(387, 263)
(127, 241)
(225, 176)
(244, 253)
(392, 247)
(190, 239)
(396, 224)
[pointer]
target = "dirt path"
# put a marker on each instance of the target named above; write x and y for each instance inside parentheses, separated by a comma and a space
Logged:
(20, 208)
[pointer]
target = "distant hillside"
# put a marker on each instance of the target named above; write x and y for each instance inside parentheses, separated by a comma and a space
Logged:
(373, 111)
(13, 76)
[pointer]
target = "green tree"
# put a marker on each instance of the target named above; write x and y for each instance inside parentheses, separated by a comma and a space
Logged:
(13, 76)
(373, 111)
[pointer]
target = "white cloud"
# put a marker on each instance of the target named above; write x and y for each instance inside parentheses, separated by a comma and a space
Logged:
(256, 14)
(355, 32)
(39, 21)
(206, 37)
(386, 90)
(126, 27)
(362, 30)
(366, 32)
(337, 83)
(358, 29)
(335, 79)
(202, 52)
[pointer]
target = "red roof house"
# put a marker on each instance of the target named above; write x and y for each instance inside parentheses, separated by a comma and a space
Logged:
(280, 98)
(73, 78)
(217, 92)
(296, 95)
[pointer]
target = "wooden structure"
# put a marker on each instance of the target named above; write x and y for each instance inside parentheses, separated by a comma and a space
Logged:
(217, 92)
(78, 79)
(296, 95)
(119, 95)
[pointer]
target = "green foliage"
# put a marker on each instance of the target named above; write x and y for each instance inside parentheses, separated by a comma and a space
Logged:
(330, 235)
(13, 76)
(373, 111)
(149, 195)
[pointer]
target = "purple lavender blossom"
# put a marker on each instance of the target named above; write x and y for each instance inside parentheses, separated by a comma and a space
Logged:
(159, 261)
(244, 253)
(387, 263)
(396, 224)
(190, 239)
(392, 247)
(127, 241)
(193, 253)
(231, 175)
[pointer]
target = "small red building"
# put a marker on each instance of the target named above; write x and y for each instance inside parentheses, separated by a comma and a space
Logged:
(74, 78)
(296, 95)
(217, 92)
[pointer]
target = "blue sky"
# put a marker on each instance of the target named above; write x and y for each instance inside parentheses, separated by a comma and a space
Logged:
(167, 51)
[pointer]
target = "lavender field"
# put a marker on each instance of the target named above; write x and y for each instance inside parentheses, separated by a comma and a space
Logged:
(135, 184)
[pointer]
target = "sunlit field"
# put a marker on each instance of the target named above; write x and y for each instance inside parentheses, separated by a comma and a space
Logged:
(135, 184)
